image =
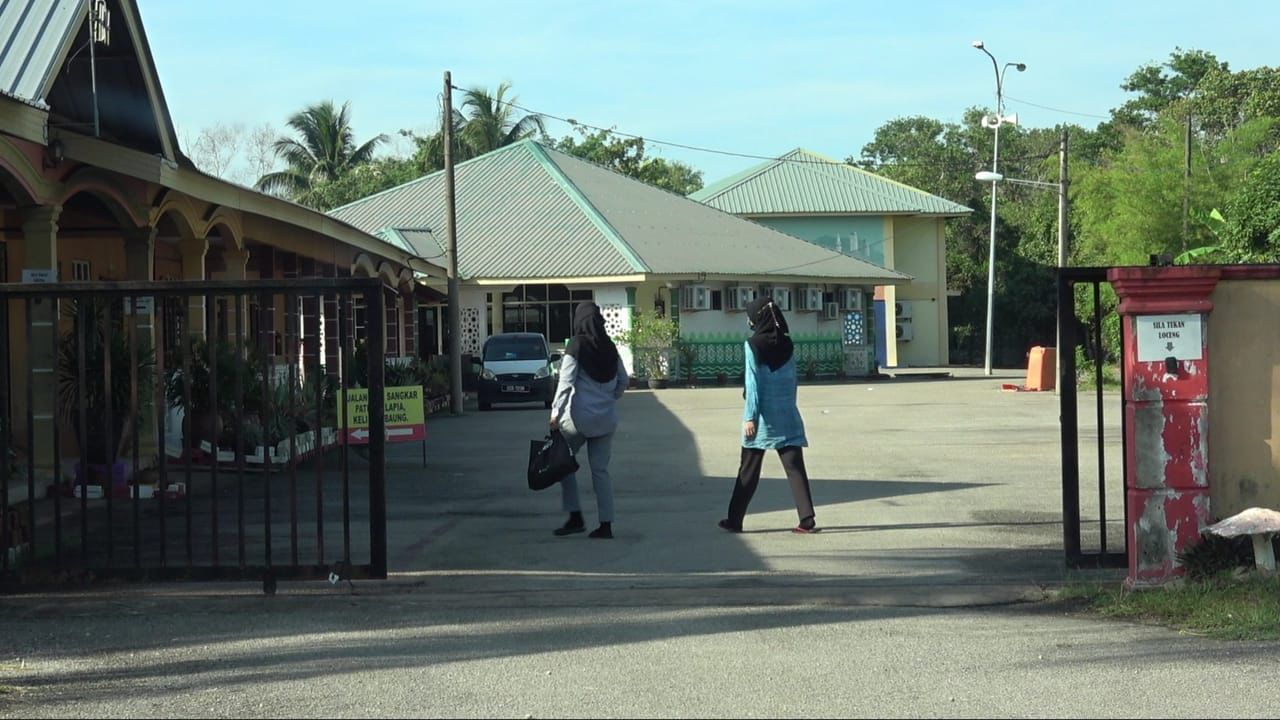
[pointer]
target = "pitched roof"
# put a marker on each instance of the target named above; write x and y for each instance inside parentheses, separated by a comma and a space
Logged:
(526, 211)
(38, 33)
(36, 39)
(803, 182)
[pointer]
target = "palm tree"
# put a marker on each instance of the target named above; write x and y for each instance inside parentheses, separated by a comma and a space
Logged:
(492, 122)
(489, 123)
(324, 151)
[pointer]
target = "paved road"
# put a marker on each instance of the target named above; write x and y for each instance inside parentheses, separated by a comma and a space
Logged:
(940, 507)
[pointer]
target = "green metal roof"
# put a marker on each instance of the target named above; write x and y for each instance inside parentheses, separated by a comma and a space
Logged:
(805, 183)
(526, 211)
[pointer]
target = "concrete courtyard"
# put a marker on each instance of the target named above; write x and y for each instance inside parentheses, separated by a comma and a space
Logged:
(940, 504)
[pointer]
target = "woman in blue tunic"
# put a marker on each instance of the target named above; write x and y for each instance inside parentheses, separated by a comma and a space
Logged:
(770, 418)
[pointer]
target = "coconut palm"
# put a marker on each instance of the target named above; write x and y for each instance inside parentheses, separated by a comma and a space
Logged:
(324, 150)
(492, 122)
(486, 122)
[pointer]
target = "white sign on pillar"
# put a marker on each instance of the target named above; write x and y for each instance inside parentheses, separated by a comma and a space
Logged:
(1163, 336)
(39, 275)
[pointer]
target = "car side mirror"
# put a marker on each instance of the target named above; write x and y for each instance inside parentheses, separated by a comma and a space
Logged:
(555, 357)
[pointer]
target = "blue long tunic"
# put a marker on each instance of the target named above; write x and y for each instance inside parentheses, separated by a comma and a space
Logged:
(771, 404)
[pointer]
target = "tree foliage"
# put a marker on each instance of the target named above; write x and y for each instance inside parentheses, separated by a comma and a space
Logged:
(323, 149)
(627, 156)
(486, 121)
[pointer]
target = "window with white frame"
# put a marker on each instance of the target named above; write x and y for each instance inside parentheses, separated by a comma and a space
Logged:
(81, 271)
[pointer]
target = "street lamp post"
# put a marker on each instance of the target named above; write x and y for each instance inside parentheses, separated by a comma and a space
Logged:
(994, 123)
(1063, 229)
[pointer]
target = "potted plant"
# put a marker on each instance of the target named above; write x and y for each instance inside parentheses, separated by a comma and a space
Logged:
(207, 423)
(688, 353)
(82, 388)
(811, 370)
(651, 339)
(722, 378)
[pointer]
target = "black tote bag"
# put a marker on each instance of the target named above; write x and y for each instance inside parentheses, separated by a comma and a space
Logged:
(550, 460)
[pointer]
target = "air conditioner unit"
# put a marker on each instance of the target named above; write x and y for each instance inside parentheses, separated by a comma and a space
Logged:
(739, 297)
(695, 297)
(904, 331)
(851, 299)
(831, 311)
(903, 309)
(811, 299)
(781, 298)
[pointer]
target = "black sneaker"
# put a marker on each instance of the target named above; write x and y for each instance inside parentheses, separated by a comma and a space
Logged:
(604, 532)
(570, 528)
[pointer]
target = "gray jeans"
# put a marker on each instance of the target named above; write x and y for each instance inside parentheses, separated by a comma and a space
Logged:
(598, 450)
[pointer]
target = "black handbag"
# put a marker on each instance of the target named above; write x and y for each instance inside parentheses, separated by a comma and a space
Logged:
(550, 461)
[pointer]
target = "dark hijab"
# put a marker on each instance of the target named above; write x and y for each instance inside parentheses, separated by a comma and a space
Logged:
(770, 340)
(591, 346)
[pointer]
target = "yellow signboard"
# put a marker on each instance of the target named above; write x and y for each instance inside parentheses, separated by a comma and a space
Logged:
(402, 409)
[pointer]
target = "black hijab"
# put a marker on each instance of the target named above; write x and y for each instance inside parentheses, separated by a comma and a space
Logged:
(591, 345)
(770, 340)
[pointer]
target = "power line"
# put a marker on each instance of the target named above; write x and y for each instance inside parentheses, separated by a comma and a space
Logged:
(1046, 107)
(752, 156)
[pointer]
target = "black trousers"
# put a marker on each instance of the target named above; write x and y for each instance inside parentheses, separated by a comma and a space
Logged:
(749, 478)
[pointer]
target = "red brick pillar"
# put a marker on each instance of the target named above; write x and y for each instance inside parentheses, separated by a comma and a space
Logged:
(1164, 315)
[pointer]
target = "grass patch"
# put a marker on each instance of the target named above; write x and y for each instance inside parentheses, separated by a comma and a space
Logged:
(1110, 377)
(1222, 607)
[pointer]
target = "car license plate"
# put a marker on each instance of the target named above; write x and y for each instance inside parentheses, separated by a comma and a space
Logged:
(514, 389)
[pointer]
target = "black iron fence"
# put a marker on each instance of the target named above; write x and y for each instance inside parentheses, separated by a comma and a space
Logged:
(1088, 332)
(190, 430)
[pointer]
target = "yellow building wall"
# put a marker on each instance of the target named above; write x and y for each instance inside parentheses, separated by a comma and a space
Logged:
(1244, 396)
(919, 250)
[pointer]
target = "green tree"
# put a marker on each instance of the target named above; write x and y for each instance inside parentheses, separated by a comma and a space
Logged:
(1252, 229)
(323, 150)
(487, 120)
(364, 180)
(492, 122)
(1160, 86)
(627, 156)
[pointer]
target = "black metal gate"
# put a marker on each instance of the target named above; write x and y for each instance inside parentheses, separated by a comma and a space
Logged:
(190, 430)
(1071, 336)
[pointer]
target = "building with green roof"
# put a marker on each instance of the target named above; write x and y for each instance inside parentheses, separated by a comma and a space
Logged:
(539, 230)
(863, 215)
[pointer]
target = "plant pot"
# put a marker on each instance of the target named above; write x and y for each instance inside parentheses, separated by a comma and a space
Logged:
(657, 383)
(206, 426)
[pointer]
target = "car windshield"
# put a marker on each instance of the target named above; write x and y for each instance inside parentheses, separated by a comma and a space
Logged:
(515, 348)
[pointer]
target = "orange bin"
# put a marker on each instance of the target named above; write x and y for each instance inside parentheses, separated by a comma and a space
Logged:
(1041, 368)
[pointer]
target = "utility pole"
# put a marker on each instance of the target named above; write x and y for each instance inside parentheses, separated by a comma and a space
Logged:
(1064, 249)
(451, 223)
(1186, 187)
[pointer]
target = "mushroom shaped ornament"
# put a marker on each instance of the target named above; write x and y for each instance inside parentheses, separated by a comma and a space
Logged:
(1260, 524)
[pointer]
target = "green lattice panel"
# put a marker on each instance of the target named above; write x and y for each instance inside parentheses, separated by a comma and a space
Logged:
(725, 355)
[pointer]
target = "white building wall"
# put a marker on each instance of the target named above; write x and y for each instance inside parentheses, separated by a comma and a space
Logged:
(695, 323)
(612, 300)
(473, 309)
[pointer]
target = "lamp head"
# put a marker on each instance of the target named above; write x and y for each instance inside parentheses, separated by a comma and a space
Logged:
(1022, 67)
(987, 176)
(978, 44)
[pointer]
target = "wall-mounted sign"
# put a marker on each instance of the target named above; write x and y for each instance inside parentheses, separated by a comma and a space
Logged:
(139, 306)
(33, 275)
(1163, 336)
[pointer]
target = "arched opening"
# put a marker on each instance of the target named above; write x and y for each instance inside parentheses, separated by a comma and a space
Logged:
(91, 238)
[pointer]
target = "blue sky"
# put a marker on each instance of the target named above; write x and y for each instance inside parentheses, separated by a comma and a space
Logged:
(746, 76)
